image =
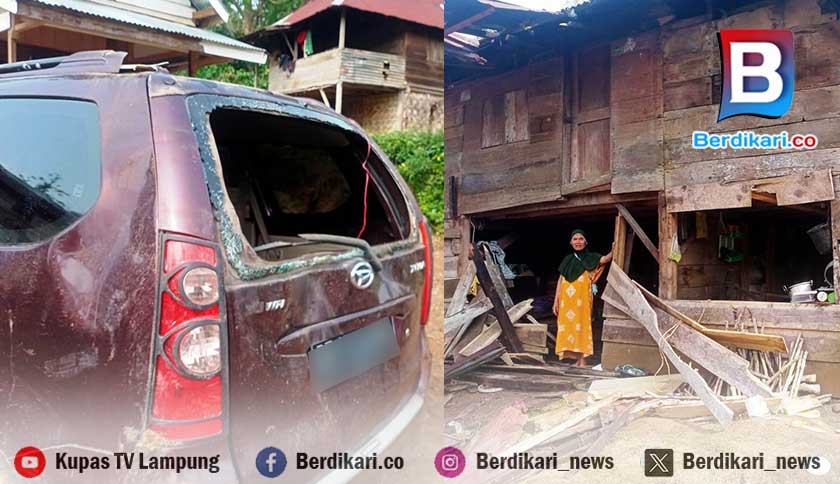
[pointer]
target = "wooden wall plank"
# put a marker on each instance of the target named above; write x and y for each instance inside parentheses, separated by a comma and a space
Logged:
(493, 125)
(516, 116)
(708, 196)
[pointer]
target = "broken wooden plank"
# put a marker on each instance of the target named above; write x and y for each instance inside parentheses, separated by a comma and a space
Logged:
(638, 230)
(636, 387)
(537, 439)
(704, 351)
(694, 408)
(493, 331)
(753, 341)
(459, 298)
(498, 306)
(473, 310)
(490, 353)
(521, 382)
(553, 369)
(636, 306)
(498, 281)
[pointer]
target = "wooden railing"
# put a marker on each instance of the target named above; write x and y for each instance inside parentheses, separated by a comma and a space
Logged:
(350, 66)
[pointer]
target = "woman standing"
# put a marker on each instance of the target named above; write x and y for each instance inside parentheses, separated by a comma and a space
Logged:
(573, 300)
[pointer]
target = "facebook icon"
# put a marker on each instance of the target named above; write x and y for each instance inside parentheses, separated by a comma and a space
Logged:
(271, 462)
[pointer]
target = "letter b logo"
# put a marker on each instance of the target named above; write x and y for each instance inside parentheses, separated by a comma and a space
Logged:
(757, 72)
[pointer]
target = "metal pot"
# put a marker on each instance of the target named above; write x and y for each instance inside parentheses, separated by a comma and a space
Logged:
(801, 292)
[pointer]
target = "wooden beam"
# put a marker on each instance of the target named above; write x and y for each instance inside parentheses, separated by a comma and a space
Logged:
(620, 240)
(204, 14)
(98, 27)
(22, 27)
(638, 308)
(498, 307)
(11, 42)
(498, 281)
(667, 267)
(628, 251)
(339, 96)
(468, 21)
(770, 199)
(753, 341)
(192, 64)
(835, 244)
(641, 233)
(342, 29)
(325, 98)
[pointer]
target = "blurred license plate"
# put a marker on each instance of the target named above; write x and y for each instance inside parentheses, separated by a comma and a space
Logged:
(352, 354)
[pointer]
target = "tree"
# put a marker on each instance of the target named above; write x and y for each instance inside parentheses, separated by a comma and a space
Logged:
(247, 16)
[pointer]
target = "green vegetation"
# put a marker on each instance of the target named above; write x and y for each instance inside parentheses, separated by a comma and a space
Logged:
(419, 157)
(236, 72)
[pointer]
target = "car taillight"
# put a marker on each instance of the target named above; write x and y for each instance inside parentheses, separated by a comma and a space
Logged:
(188, 396)
(427, 272)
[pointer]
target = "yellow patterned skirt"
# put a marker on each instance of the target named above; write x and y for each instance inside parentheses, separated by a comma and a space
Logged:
(574, 317)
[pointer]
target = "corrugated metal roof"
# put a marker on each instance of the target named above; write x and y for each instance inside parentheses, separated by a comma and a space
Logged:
(536, 5)
(424, 12)
(146, 21)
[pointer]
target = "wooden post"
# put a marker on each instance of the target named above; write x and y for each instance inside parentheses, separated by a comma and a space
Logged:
(11, 43)
(499, 309)
(192, 63)
(667, 267)
(620, 238)
(464, 227)
(631, 221)
(628, 251)
(342, 37)
(342, 29)
(835, 243)
(339, 96)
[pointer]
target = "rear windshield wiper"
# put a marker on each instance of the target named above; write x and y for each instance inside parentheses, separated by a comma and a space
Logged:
(349, 241)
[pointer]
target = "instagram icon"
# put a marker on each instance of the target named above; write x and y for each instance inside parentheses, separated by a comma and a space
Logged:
(450, 462)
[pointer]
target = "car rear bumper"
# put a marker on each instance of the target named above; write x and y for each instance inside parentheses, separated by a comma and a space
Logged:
(390, 429)
(382, 437)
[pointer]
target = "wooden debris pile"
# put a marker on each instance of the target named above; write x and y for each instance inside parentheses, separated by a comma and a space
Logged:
(736, 362)
(488, 328)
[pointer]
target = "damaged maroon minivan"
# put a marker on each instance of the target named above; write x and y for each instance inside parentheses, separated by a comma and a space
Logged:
(200, 268)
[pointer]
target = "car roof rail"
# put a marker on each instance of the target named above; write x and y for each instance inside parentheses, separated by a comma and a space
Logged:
(95, 61)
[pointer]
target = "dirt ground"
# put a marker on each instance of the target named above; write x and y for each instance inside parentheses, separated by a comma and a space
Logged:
(423, 438)
(488, 422)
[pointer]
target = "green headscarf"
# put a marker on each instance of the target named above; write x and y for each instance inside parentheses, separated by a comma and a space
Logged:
(576, 263)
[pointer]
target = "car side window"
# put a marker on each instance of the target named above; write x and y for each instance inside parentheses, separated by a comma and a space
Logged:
(50, 166)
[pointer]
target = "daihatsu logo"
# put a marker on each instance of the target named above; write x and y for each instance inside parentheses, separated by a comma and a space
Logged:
(362, 275)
